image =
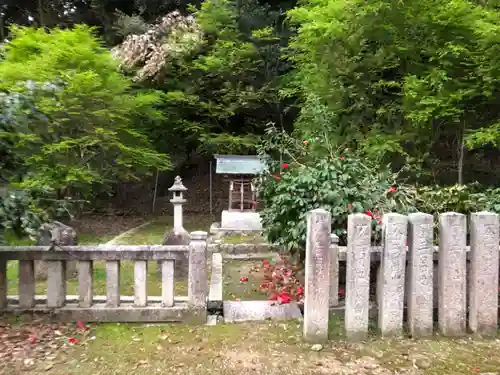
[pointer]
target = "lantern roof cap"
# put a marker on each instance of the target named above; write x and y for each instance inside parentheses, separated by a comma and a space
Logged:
(177, 186)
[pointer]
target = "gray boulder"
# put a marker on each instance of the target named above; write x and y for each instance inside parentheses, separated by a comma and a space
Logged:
(57, 234)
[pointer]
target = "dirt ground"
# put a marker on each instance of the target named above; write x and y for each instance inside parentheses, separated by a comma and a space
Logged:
(230, 349)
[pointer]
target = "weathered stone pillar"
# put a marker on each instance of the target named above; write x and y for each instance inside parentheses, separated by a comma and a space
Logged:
(317, 277)
(452, 265)
(392, 266)
(56, 234)
(357, 301)
(420, 274)
(483, 292)
(178, 235)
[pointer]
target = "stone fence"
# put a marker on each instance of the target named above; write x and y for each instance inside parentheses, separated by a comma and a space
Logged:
(113, 307)
(464, 282)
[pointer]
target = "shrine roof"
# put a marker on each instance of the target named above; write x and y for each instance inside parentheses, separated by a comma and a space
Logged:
(239, 164)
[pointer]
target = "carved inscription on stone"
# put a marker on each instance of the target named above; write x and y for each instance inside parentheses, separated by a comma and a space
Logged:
(358, 276)
(483, 292)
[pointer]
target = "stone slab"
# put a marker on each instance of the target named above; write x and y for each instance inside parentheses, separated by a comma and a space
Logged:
(215, 292)
(70, 298)
(127, 313)
(240, 221)
(246, 311)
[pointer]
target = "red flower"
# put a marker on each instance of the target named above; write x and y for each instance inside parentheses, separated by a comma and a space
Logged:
(341, 292)
(300, 291)
(265, 262)
(369, 213)
(32, 339)
(237, 299)
(391, 190)
(243, 279)
(284, 166)
(73, 341)
(284, 298)
(80, 324)
(305, 142)
(379, 222)
(406, 243)
(342, 158)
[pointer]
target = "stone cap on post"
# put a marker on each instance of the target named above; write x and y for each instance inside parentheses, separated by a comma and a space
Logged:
(199, 235)
(177, 189)
(334, 239)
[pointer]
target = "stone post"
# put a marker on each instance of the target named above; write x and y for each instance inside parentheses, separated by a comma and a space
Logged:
(357, 294)
(178, 235)
(420, 274)
(334, 270)
(452, 265)
(483, 292)
(198, 275)
(317, 277)
(392, 269)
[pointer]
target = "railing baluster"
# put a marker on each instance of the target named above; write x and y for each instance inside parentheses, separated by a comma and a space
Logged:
(26, 284)
(85, 281)
(141, 282)
(198, 275)
(56, 283)
(167, 283)
(113, 283)
(3, 284)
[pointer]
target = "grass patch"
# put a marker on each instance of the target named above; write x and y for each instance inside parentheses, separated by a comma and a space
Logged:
(265, 348)
(153, 233)
(250, 238)
(233, 271)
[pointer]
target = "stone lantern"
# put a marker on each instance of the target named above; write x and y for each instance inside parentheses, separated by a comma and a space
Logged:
(178, 235)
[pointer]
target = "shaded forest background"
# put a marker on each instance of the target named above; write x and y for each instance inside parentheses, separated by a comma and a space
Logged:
(413, 83)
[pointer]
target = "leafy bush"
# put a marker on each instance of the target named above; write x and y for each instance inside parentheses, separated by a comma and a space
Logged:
(340, 182)
(83, 137)
(23, 212)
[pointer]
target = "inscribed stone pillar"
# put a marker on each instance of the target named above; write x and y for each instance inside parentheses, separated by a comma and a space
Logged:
(198, 274)
(483, 292)
(452, 265)
(392, 265)
(317, 277)
(420, 274)
(334, 270)
(357, 293)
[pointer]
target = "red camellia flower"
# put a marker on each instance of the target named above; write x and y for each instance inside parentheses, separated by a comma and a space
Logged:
(80, 324)
(342, 158)
(243, 279)
(273, 297)
(300, 291)
(305, 142)
(265, 262)
(32, 339)
(391, 190)
(341, 292)
(369, 213)
(73, 341)
(379, 222)
(284, 166)
(284, 298)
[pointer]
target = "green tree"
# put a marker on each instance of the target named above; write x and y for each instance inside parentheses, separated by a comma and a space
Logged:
(83, 137)
(397, 77)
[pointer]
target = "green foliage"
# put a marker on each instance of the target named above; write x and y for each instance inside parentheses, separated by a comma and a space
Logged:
(22, 213)
(82, 138)
(397, 77)
(222, 86)
(340, 182)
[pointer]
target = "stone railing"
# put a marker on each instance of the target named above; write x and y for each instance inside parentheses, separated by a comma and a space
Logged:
(113, 307)
(464, 282)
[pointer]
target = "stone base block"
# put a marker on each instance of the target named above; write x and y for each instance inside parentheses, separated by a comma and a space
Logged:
(236, 221)
(245, 311)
